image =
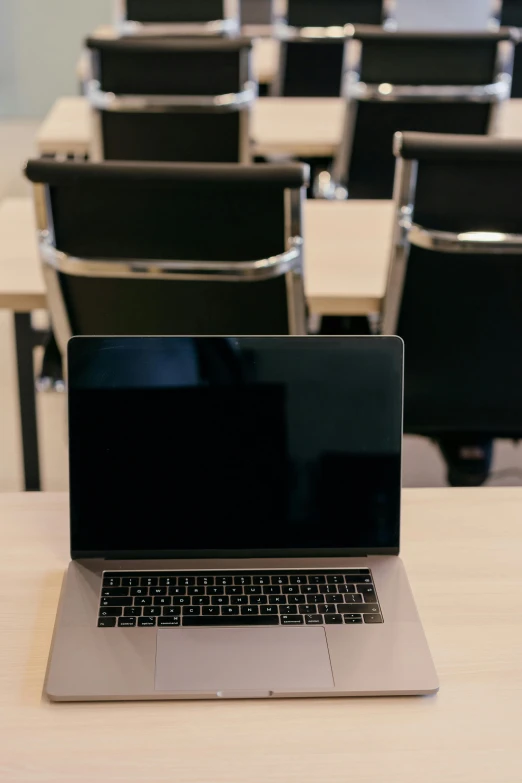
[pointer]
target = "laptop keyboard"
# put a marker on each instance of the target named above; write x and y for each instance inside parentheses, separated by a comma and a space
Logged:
(138, 599)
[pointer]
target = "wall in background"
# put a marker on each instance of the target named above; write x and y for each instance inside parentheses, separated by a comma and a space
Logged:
(444, 14)
(40, 41)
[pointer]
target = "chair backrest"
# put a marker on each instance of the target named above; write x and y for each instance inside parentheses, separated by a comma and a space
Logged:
(455, 283)
(511, 16)
(172, 99)
(311, 62)
(177, 17)
(137, 248)
(431, 82)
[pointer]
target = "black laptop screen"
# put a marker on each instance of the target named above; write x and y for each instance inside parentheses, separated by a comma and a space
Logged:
(267, 446)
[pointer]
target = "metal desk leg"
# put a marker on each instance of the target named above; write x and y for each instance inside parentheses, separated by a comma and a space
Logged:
(25, 342)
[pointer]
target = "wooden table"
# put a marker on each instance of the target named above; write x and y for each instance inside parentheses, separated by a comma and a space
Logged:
(303, 127)
(462, 549)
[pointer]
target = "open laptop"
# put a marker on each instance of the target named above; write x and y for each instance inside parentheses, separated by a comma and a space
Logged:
(235, 522)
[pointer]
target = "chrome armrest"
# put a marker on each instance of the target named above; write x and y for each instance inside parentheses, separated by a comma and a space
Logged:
(128, 28)
(475, 242)
(499, 90)
(264, 269)
(284, 32)
(108, 101)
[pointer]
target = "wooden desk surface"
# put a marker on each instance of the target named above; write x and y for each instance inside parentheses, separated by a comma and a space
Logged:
(346, 256)
(305, 127)
(462, 550)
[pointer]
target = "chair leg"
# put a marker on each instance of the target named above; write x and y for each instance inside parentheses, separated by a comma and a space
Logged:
(51, 375)
(468, 459)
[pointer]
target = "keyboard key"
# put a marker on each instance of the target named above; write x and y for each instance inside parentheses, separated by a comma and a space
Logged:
(144, 601)
(220, 600)
(261, 580)
(177, 590)
(258, 599)
(351, 616)
(112, 611)
(351, 598)
(197, 590)
(313, 619)
(309, 589)
(158, 591)
(182, 600)
(139, 591)
(201, 600)
(277, 599)
(211, 611)
(224, 580)
(163, 600)
(316, 579)
(368, 593)
(242, 580)
(116, 602)
(292, 619)
(111, 581)
(228, 610)
(334, 619)
(235, 590)
(372, 618)
(253, 589)
(279, 580)
(346, 588)
(149, 581)
(146, 622)
(106, 622)
(299, 579)
(169, 611)
(167, 581)
(187, 580)
(327, 608)
(352, 620)
(291, 589)
(236, 600)
(111, 591)
(130, 581)
(169, 622)
(205, 580)
(191, 610)
(132, 611)
(296, 599)
(249, 610)
(271, 590)
(269, 610)
(358, 579)
(334, 598)
(260, 619)
(127, 622)
(368, 609)
(152, 611)
(335, 579)
(315, 599)
(215, 590)
(288, 609)
(307, 609)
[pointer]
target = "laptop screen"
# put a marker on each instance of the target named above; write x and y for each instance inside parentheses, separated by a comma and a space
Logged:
(266, 446)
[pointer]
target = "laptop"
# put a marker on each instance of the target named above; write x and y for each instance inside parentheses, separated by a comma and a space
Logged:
(235, 522)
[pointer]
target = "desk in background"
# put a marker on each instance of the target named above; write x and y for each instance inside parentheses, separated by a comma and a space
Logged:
(462, 549)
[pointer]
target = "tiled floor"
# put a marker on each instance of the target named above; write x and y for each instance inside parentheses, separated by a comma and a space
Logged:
(422, 464)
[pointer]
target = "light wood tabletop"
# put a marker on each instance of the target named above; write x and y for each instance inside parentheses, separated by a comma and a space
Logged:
(462, 550)
(305, 127)
(347, 246)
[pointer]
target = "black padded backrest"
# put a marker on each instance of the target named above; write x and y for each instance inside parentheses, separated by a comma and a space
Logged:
(133, 66)
(181, 136)
(312, 69)
(174, 11)
(428, 58)
(168, 211)
(512, 17)
(327, 13)
(460, 314)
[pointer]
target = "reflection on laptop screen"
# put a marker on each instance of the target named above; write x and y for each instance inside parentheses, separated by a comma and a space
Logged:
(184, 444)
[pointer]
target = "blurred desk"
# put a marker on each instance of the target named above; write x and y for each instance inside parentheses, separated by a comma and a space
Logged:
(462, 549)
(301, 127)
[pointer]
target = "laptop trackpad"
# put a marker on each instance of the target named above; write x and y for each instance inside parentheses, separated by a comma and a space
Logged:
(214, 660)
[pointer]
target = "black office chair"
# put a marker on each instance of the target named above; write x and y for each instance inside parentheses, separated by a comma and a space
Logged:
(139, 248)
(455, 291)
(511, 16)
(174, 99)
(178, 17)
(433, 82)
(313, 44)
